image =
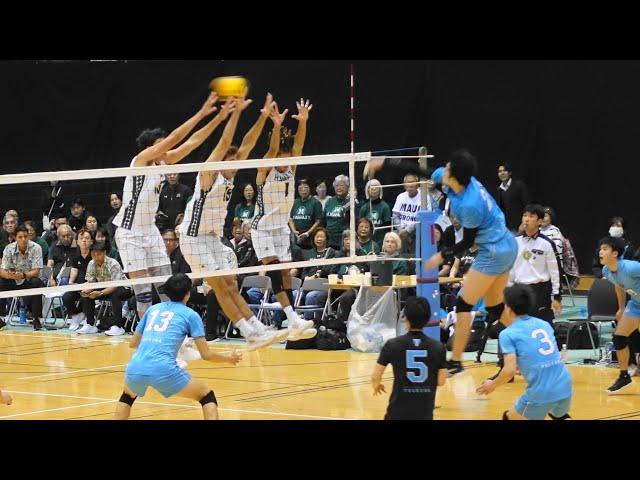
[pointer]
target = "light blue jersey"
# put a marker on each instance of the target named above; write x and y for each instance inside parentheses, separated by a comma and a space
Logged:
(628, 278)
(533, 342)
(163, 327)
(475, 208)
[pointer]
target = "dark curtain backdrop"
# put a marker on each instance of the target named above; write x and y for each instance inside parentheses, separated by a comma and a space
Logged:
(568, 127)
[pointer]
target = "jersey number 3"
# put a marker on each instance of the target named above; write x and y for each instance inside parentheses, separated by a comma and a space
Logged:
(413, 362)
(164, 316)
(544, 340)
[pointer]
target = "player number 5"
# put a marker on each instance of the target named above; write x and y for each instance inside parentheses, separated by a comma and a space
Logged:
(413, 363)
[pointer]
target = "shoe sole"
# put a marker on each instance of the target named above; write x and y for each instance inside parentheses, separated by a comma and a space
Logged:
(114, 334)
(302, 334)
(275, 339)
(609, 392)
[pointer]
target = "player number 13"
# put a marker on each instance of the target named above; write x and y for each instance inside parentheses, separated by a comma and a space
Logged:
(164, 316)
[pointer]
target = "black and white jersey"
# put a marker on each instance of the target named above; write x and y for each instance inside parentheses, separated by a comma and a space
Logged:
(207, 210)
(274, 201)
(140, 198)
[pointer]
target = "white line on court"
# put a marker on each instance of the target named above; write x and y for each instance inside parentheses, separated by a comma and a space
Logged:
(181, 405)
(70, 373)
(56, 409)
(67, 337)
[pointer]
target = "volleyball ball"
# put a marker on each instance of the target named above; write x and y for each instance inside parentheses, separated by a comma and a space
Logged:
(226, 87)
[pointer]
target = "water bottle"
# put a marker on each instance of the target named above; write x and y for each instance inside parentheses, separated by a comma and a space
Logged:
(354, 270)
(23, 315)
(564, 353)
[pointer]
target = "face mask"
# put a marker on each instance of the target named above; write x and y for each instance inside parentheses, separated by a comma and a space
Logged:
(615, 232)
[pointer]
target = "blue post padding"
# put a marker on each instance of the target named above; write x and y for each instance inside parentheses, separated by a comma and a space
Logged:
(425, 248)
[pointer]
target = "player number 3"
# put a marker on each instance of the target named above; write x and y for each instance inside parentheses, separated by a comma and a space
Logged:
(545, 340)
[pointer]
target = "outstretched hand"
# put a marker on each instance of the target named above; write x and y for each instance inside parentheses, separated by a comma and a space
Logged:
(379, 389)
(266, 109)
(276, 117)
(234, 357)
(372, 167)
(209, 105)
(228, 107)
(304, 107)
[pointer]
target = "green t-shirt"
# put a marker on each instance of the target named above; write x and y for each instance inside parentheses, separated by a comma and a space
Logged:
(305, 213)
(370, 247)
(244, 211)
(379, 214)
(335, 219)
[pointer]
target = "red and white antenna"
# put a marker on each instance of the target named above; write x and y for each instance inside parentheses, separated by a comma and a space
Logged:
(352, 111)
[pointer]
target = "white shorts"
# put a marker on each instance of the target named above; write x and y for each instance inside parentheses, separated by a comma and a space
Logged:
(272, 243)
(141, 250)
(203, 253)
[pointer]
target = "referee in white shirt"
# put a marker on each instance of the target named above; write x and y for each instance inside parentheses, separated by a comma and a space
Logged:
(537, 265)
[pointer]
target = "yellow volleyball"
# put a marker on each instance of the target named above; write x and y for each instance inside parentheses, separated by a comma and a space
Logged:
(229, 86)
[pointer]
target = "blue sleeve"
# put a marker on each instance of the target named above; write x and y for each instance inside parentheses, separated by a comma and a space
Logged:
(196, 329)
(507, 343)
(470, 217)
(143, 322)
(634, 268)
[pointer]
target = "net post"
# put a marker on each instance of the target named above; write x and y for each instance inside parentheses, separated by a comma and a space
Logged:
(424, 191)
(426, 246)
(352, 205)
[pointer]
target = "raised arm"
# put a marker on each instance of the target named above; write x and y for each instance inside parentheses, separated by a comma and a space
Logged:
(274, 144)
(277, 118)
(195, 140)
(151, 153)
(235, 106)
(251, 137)
(301, 134)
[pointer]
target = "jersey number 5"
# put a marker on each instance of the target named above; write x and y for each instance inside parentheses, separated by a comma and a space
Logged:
(164, 316)
(413, 363)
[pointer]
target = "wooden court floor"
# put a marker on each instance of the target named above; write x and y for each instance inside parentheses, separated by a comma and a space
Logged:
(66, 376)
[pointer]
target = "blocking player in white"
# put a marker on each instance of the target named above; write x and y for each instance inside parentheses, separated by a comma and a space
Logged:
(201, 230)
(138, 239)
(270, 232)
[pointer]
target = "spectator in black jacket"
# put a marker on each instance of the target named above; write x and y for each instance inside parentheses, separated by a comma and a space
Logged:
(78, 215)
(173, 201)
(511, 196)
(115, 202)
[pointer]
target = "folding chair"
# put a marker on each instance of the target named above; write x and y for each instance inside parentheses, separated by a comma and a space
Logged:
(309, 285)
(602, 305)
(45, 275)
(49, 299)
(254, 281)
(270, 308)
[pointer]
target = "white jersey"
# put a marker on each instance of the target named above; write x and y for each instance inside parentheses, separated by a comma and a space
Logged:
(140, 198)
(207, 210)
(274, 201)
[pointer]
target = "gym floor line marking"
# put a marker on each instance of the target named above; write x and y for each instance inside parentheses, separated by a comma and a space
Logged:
(180, 405)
